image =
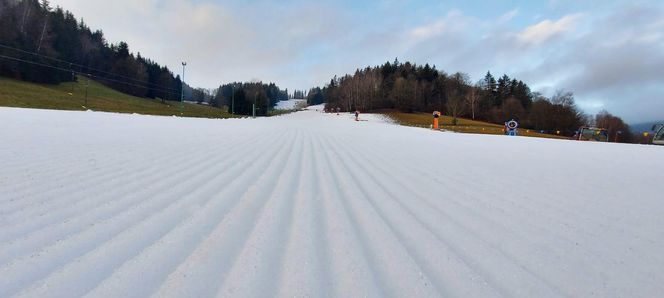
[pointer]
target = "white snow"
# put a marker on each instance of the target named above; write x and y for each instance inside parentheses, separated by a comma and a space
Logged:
(312, 204)
(291, 104)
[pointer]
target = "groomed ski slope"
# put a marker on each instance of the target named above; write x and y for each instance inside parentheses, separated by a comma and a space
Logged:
(314, 205)
(291, 104)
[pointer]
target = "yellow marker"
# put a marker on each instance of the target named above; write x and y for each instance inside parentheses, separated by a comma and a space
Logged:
(645, 134)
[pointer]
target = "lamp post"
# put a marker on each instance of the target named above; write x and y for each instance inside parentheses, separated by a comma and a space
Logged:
(73, 76)
(253, 107)
(182, 89)
(87, 84)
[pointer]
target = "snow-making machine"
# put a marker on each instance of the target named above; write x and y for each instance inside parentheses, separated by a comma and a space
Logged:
(594, 134)
(658, 138)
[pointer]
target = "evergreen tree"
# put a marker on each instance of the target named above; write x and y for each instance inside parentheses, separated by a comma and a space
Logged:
(502, 90)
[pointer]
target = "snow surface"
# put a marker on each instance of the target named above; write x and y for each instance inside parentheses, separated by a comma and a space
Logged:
(312, 204)
(290, 104)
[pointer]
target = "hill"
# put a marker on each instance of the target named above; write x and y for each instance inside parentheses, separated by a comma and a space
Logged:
(291, 104)
(643, 127)
(51, 43)
(71, 96)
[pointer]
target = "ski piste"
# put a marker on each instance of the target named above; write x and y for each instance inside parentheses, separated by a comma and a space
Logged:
(314, 204)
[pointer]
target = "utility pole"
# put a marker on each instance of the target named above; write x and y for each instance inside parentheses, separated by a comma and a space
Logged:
(182, 91)
(87, 83)
(253, 107)
(73, 77)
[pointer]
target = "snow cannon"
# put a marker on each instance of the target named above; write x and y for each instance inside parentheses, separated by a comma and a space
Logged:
(658, 139)
(436, 115)
(511, 127)
(592, 134)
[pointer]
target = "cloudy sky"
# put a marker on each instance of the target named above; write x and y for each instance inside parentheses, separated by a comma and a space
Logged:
(609, 53)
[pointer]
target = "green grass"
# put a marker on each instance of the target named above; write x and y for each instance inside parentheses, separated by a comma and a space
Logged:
(463, 125)
(71, 96)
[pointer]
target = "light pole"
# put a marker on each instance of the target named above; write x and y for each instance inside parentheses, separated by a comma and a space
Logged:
(253, 107)
(182, 91)
(73, 77)
(87, 83)
(267, 105)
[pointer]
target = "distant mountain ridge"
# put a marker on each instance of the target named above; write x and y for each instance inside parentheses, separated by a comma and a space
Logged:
(646, 126)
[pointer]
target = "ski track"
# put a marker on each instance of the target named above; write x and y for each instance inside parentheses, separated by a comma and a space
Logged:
(317, 205)
(125, 220)
(130, 188)
(91, 221)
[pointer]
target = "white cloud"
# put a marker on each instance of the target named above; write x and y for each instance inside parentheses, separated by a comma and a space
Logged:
(429, 30)
(453, 21)
(508, 16)
(547, 29)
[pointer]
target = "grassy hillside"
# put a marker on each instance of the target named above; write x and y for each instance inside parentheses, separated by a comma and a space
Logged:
(71, 96)
(463, 125)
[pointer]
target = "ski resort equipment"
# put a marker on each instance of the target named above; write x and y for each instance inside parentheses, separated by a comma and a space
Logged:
(658, 139)
(511, 127)
(436, 115)
(592, 134)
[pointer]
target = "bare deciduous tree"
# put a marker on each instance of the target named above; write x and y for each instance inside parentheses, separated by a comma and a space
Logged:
(472, 99)
(455, 107)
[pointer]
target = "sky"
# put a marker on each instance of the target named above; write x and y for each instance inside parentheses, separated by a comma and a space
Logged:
(610, 54)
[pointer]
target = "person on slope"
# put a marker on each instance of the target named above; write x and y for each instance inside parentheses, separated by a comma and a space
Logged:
(357, 115)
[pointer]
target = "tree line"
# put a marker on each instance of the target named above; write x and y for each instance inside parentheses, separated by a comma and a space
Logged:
(240, 98)
(298, 94)
(408, 87)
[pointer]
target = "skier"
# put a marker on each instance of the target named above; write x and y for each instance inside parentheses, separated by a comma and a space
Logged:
(357, 115)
